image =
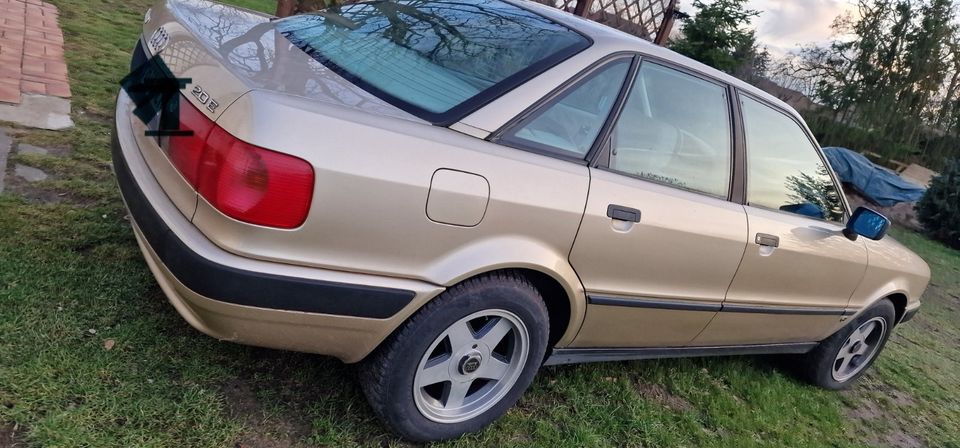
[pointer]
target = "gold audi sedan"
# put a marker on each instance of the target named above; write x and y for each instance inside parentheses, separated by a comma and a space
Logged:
(453, 194)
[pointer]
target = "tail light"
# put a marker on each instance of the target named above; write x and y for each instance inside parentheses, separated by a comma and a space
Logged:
(185, 151)
(243, 181)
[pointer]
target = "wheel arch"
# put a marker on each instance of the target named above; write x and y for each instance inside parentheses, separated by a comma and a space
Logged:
(897, 297)
(899, 301)
(555, 297)
(566, 303)
(543, 264)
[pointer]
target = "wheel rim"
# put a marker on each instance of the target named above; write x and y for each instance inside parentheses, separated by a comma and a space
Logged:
(471, 366)
(859, 348)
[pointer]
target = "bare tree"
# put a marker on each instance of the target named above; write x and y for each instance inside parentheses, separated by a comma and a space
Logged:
(290, 7)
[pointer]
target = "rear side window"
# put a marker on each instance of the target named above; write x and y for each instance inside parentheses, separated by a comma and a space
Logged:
(675, 130)
(436, 59)
(569, 124)
(784, 171)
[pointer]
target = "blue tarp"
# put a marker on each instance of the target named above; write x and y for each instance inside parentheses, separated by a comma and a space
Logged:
(879, 185)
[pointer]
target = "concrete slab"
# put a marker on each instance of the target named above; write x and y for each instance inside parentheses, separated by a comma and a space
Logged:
(38, 111)
(24, 148)
(6, 142)
(29, 173)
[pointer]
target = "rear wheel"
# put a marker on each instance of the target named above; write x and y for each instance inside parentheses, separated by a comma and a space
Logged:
(844, 357)
(461, 361)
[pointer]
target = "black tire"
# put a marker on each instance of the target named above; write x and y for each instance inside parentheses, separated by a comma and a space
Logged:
(387, 376)
(819, 365)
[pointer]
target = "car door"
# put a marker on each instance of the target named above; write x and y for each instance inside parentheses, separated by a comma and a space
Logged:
(659, 242)
(799, 270)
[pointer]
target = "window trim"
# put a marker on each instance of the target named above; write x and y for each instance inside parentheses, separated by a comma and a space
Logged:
(602, 159)
(460, 111)
(549, 99)
(738, 186)
(816, 148)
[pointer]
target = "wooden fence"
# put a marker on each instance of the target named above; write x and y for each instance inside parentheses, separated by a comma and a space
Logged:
(649, 19)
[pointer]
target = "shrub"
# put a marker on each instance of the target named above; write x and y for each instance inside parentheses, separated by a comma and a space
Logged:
(939, 209)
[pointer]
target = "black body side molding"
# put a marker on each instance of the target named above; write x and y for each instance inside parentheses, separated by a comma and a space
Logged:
(686, 305)
(654, 303)
(582, 355)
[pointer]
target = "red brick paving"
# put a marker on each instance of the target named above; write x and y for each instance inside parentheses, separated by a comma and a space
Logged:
(31, 51)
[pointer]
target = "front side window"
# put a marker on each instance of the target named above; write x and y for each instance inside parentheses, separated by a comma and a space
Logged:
(569, 124)
(433, 58)
(784, 171)
(675, 130)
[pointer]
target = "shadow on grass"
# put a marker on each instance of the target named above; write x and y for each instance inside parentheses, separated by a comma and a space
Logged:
(290, 399)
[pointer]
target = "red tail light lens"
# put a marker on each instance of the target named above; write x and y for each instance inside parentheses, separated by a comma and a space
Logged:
(242, 181)
(253, 184)
(185, 151)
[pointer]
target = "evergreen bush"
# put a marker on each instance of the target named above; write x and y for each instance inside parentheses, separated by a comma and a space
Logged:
(939, 209)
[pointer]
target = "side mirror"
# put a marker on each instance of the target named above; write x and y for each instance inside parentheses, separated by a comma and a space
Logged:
(868, 223)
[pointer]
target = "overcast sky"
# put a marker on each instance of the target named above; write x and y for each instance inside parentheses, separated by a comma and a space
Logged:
(785, 24)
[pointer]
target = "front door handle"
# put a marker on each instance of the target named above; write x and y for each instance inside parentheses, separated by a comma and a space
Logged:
(621, 213)
(766, 239)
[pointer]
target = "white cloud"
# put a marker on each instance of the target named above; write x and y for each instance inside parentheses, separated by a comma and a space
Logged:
(784, 25)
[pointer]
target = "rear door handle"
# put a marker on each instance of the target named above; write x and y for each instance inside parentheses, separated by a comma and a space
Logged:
(766, 239)
(621, 213)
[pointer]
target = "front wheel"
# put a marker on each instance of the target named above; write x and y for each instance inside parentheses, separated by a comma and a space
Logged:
(844, 357)
(460, 362)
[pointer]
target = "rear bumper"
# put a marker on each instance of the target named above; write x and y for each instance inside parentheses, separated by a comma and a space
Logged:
(251, 301)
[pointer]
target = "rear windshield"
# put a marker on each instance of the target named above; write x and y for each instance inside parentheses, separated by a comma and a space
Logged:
(437, 59)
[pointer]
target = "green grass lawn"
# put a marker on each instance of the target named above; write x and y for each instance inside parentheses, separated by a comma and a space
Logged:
(72, 281)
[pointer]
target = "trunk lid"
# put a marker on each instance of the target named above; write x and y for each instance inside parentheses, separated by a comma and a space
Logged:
(228, 51)
(222, 53)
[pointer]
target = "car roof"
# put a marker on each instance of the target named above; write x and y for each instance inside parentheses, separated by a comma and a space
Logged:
(611, 40)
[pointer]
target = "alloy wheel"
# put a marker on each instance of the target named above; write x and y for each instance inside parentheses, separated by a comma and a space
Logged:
(471, 366)
(859, 348)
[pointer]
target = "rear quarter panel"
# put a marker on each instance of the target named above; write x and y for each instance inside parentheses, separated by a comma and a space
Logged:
(373, 175)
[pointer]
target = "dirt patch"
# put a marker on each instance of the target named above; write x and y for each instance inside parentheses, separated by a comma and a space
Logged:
(900, 439)
(867, 410)
(10, 436)
(659, 394)
(43, 194)
(883, 393)
(31, 192)
(903, 213)
(260, 430)
(901, 398)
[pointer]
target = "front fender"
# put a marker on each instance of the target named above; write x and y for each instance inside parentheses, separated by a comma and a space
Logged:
(893, 269)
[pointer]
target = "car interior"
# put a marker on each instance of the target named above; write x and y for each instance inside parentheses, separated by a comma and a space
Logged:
(674, 129)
